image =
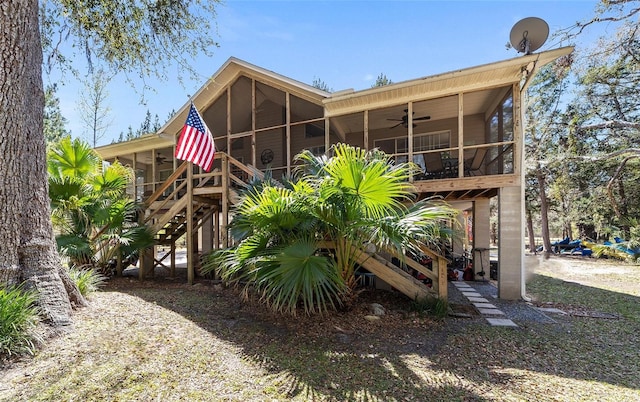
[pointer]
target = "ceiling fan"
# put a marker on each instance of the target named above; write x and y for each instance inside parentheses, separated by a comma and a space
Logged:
(404, 121)
(160, 159)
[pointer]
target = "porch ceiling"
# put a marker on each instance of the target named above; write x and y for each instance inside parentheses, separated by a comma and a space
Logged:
(438, 109)
(462, 195)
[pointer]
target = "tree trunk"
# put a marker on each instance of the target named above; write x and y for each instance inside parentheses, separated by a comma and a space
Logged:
(544, 210)
(624, 211)
(530, 233)
(27, 251)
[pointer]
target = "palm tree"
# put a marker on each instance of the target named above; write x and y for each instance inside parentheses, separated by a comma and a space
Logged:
(93, 217)
(298, 242)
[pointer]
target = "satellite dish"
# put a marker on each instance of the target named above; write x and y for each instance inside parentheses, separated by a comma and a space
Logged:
(529, 34)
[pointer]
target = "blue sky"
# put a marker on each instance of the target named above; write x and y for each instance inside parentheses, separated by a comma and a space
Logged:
(346, 44)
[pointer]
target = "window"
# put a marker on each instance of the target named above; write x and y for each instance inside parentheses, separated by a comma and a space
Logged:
(317, 151)
(313, 131)
(421, 142)
(430, 141)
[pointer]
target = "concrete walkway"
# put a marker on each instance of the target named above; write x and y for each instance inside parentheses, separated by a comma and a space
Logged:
(490, 312)
(483, 296)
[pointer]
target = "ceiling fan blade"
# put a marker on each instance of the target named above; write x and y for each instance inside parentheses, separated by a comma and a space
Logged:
(395, 119)
(422, 118)
(399, 124)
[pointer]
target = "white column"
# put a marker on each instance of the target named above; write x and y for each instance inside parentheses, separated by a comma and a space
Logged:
(511, 276)
(481, 238)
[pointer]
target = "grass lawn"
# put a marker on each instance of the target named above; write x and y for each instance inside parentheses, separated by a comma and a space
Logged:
(165, 341)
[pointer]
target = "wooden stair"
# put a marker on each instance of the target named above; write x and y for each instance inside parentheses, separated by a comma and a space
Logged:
(185, 201)
(200, 196)
(381, 266)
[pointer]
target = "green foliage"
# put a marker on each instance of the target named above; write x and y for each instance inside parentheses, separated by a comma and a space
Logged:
(91, 212)
(18, 320)
(625, 250)
(53, 120)
(381, 81)
(584, 145)
(93, 108)
(129, 36)
(321, 85)
(72, 159)
(353, 198)
(433, 306)
(147, 126)
(87, 280)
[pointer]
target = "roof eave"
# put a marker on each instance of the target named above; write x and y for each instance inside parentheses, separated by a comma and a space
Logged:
(449, 83)
(228, 73)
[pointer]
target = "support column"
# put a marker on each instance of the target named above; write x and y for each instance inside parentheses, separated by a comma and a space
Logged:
(511, 277)
(173, 259)
(216, 228)
(481, 238)
(189, 233)
(206, 235)
(224, 232)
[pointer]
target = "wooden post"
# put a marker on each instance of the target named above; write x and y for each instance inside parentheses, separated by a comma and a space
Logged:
(288, 131)
(189, 234)
(225, 202)
(442, 279)
(216, 228)
(141, 261)
(173, 258)
(365, 138)
(119, 262)
(460, 135)
(254, 113)
(410, 135)
(327, 134)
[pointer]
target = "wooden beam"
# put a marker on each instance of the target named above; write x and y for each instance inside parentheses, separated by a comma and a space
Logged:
(410, 135)
(365, 138)
(173, 259)
(460, 135)
(208, 190)
(204, 200)
(340, 130)
(170, 180)
(288, 131)
(397, 278)
(467, 183)
(389, 273)
(518, 134)
(167, 216)
(228, 120)
(327, 134)
(225, 202)
(253, 123)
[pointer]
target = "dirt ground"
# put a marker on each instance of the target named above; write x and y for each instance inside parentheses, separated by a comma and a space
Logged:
(162, 339)
(600, 273)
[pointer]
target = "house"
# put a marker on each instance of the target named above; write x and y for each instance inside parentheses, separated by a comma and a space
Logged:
(463, 128)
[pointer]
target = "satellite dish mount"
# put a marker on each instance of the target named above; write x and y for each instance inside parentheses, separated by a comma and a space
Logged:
(529, 34)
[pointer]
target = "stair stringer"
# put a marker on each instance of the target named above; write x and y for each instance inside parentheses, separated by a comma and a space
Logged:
(394, 276)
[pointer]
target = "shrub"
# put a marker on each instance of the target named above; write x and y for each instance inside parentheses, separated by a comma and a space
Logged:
(432, 306)
(87, 280)
(18, 321)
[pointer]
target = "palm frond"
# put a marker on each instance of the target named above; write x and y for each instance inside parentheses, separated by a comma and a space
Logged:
(72, 158)
(297, 275)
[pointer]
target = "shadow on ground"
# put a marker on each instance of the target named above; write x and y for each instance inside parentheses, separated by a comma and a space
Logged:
(407, 357)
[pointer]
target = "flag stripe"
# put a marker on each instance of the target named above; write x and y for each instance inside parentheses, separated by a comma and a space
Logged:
(196, 142)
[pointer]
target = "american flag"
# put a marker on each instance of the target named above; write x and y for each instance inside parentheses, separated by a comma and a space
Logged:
(196, 142)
